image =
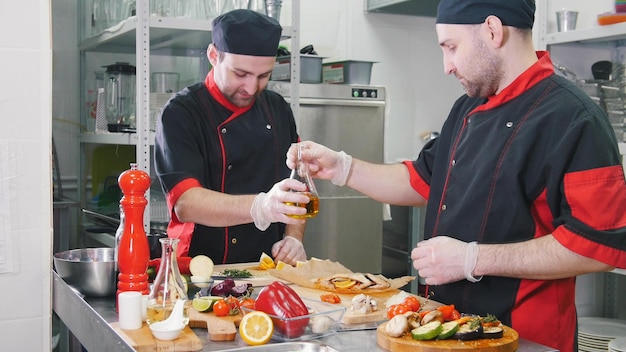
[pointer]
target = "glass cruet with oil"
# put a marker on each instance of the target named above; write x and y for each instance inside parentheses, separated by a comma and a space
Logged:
(301, 173)
(168, 286)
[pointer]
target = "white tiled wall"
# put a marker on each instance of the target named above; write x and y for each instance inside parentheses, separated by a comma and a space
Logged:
(25, 175)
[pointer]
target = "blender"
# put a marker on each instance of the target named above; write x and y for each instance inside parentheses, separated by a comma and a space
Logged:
(120, 97)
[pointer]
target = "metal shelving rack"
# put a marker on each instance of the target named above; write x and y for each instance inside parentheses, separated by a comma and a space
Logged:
(578, 50)
(142, 35)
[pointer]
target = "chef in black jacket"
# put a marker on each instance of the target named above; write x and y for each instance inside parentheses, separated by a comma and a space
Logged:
(220, 152)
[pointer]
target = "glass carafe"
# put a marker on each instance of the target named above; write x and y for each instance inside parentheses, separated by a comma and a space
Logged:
(301, 173)
(168, 285)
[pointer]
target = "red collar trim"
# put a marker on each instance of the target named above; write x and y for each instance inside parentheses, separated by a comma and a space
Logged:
(533, 75)
(209, 83)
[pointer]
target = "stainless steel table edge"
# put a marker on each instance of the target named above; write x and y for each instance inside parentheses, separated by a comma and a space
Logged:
(89, 327)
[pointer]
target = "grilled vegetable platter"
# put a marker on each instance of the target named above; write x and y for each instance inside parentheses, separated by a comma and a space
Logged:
(443, 329)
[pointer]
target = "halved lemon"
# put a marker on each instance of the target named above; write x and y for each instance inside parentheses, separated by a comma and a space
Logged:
(266, 262)
(344, 283)
(256, 328)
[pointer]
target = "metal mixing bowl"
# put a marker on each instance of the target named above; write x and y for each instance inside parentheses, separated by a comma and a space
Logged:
(90, 270)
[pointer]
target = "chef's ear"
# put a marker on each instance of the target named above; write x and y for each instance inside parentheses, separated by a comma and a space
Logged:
(495, 31)
(212, 54)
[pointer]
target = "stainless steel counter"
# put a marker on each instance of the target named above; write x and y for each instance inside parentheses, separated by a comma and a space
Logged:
(89, 320)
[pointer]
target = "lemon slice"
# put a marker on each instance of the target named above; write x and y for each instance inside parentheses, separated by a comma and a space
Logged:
(280, 265)
(256, 328)
(266, 262)
(201, 266)
(344, 283)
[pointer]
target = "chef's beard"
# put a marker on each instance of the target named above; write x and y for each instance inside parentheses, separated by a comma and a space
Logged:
(485, 72)
(240, 102)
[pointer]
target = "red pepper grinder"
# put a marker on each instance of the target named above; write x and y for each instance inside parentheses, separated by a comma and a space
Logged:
(133, 251)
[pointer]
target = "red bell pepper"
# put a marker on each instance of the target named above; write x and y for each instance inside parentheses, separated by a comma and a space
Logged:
(183, 264)
(282, 301)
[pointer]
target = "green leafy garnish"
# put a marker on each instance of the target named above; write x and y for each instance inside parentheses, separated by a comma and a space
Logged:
(236, 273)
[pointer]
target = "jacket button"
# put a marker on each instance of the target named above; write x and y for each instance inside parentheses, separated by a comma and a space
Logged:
(453, 162)
(224, 130)
(233, 240)
(444, 207)
(230, 167)
(268, 126)
(509, 124)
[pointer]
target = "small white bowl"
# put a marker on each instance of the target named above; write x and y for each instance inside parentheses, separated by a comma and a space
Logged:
(165, 333)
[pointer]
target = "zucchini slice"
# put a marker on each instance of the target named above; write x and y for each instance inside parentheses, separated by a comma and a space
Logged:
(427, 332)
(448, 329)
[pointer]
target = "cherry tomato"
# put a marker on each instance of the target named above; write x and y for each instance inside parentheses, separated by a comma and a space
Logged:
(396, 309)
(233, 304)
(221, 308)
(330, 298)
(413, 303)
(247, 302)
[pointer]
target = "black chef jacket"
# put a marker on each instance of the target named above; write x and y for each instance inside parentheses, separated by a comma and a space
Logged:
(203, 140)
(539, 158)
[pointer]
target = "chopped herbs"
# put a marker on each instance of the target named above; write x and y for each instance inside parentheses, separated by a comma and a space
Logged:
(236, 273)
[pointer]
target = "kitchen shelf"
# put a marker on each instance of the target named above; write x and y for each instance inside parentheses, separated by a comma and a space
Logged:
(166, 33)
(113, 138)
(599, 34)
(426, 8)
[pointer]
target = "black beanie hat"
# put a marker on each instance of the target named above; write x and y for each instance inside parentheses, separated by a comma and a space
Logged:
(514, 13)
(246, 32)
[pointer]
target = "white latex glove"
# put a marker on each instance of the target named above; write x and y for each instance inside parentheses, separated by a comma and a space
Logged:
(289, 250)
(270, 207)
(322, 162)
(443, 259)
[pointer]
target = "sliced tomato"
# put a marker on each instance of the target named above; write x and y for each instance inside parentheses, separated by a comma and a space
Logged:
(396, 309)
(455, 315)
(330, 298)
(413, 303)
(447, 311)
(247, 303)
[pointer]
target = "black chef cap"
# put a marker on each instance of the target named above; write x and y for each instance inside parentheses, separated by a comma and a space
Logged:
(246, 32)
(514, 13)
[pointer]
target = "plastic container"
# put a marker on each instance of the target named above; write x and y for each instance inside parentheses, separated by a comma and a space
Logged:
(347, 72)
(310, 69)
(323, 320)
(611, 18)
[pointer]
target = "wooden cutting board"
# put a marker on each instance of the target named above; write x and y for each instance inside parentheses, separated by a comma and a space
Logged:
(350, 317)
(507, 343)
(259, 277)
(143, 341)
(219, 328)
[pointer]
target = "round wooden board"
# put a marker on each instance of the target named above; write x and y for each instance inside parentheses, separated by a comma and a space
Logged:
(507, 343)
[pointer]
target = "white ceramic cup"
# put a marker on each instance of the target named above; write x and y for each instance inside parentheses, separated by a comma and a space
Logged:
(144, 307)
(129, 310)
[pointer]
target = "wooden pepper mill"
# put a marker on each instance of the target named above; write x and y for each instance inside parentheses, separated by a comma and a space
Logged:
(133, 251)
